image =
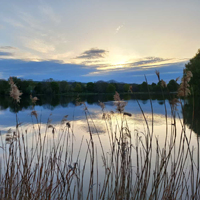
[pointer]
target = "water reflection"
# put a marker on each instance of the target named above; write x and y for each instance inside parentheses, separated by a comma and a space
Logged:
(62, 105)
(192, 114)
(50, 102)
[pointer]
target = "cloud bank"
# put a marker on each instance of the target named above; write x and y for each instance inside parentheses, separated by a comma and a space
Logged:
(56, 69)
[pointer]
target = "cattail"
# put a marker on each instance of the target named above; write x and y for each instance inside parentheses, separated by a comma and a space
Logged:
(177, 79)
(14, 92)
(106, 116)
(50, 126)
(174, 102)
(34, 113)
(128, 114)
(119, 104)
(189, 75)
(53, 128)
(68, 124)
(163, 84)
(33, 99)
(102, 105)
(10, 138)
(117, 97)
(184, 90)
(158, 74)
(130, 88)
(64, 120)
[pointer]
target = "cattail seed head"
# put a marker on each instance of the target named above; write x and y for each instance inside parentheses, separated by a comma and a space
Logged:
(14, 92)
(163, 84)
(158, 74)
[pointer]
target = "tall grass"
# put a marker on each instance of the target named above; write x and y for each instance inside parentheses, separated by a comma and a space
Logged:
(136, 166)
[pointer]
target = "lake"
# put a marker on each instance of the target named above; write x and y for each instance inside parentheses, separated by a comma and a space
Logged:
(56, 113)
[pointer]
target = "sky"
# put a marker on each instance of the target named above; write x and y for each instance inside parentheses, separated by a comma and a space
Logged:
(93, 40)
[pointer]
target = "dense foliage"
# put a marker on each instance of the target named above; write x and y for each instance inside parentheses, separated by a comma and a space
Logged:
(51, 86)
(194, 67)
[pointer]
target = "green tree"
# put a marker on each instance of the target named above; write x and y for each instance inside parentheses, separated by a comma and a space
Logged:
(143, 87)
(78, 88)
(194, 67)
(100, 86)
(172, 86)
(38, 88)
(126, 87)
(90, 87)
(54, 87)
(153, 87)
(110, 88)
(135, 87)
(64, 87)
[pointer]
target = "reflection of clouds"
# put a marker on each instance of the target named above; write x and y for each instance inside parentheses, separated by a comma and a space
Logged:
(98, 127)
(2, 111)
(76, 115)
(96, 122)
(158, 119)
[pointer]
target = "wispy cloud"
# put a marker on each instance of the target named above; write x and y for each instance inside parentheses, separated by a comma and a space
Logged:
(13, 22)
(3, 53)
(7, 51)
(40, 46)
(93, 53)
(7, 48)
(143, 63)
(118, 28)
(49, 12)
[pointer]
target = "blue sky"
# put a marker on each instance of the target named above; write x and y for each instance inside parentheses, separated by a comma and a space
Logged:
(97, 40)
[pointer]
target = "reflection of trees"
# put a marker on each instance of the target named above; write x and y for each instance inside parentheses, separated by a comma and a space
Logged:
(161, 102)
(7, 102)
(4, 102)
(127, 97)
(55, 101)
(193, 122)
(51, 101)
(64, 101)
(91, 100)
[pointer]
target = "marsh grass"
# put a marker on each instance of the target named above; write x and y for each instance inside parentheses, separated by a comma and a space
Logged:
(136, 166)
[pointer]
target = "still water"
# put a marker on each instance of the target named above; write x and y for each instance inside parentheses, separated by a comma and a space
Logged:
(56, 107)
(59, 106)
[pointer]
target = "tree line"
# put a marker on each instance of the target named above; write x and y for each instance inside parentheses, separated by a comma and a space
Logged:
(52, 87)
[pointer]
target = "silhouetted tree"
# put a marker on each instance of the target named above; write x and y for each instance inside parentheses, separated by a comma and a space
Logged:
(172, 86)
(64, 87)
(110, 88)
(194, 67)
(78, 88)
(126, 87)
(55, 87)
(90, 87)
(143, 87)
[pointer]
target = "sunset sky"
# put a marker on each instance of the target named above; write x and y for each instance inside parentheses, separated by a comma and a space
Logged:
(93, 40)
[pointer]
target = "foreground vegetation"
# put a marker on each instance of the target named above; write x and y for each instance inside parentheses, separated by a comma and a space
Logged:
(136, 166)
